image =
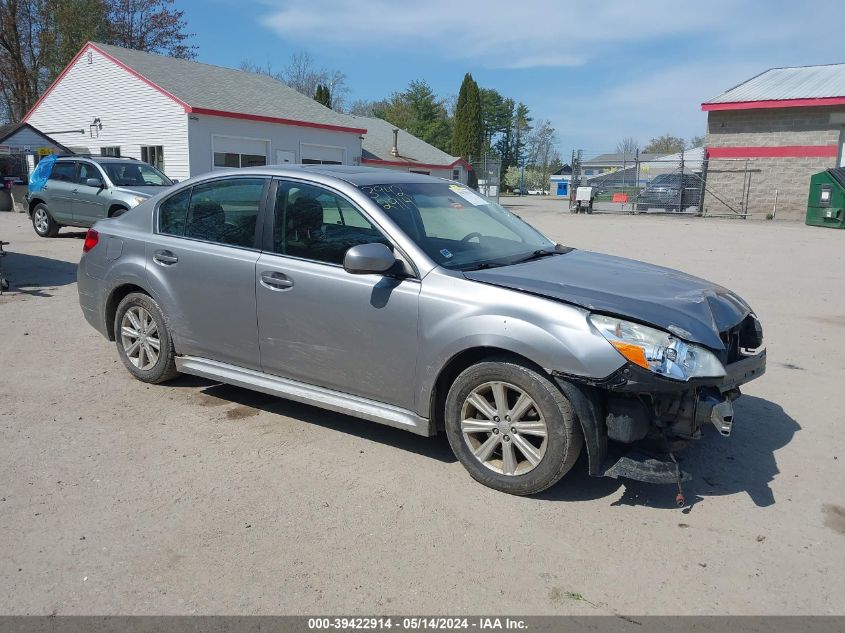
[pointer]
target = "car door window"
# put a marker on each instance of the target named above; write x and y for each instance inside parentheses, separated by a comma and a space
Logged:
(87, 171)
(64, 172)
(221, 211)
(315, 223)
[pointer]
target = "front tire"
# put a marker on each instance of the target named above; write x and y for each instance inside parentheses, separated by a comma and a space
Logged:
(143, 339)
(42, 222)
(511, 427)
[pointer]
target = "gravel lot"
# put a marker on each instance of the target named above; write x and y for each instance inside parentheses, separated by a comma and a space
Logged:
(118, 497)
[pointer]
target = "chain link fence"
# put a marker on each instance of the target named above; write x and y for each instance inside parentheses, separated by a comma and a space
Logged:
(488, 173)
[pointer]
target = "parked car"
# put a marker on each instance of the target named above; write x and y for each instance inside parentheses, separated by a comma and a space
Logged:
(81, 190)
(664, 192)
(415, 302)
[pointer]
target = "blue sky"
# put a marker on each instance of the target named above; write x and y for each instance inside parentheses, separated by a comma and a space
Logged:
(599, 70)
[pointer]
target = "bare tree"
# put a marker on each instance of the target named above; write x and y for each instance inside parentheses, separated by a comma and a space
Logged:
(628, 146)
(541, 151)
(303, 76)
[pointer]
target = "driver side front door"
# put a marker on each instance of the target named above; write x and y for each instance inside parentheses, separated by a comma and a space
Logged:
(321, 325)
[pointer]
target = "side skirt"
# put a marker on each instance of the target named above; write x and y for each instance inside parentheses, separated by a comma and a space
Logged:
(308, 394)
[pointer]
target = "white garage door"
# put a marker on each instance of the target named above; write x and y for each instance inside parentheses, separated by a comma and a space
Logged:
(321, 154)
(231, 151)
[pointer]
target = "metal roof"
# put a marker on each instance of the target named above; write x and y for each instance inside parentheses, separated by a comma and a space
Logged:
(378, 142)
(207, 87)
(775, 84)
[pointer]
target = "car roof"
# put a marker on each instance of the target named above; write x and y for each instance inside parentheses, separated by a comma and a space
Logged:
(98, 159)
(356, 176)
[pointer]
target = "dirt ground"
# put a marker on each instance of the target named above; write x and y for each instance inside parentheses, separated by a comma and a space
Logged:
(119, 497)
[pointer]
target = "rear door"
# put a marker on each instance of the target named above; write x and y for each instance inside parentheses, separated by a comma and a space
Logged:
(60, 190)
(201, 262)
(89, 203)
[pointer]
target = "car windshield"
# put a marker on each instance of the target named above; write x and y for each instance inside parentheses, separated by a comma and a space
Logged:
(135, 174)
(457, 227)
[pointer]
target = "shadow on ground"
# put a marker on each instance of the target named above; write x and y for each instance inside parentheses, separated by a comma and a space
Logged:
(30, 274)
(745, 462)
(432, 447)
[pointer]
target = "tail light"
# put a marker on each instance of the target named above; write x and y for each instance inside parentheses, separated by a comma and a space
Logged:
(92, 238)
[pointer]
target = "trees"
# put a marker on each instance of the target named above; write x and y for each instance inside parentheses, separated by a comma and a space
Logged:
(149, 25)
(39, 37)
(696, 141)
(323, 96)
(665, 144)
(303, 76)
(420, 112)
(628, 146)
(468, 133)
(521, 124)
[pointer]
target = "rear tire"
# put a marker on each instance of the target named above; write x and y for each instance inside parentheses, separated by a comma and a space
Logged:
(42, 222)
(143, 339)
(522, 436)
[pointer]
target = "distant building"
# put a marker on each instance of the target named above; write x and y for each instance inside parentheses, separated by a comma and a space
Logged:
(784, 125)
(385, 145)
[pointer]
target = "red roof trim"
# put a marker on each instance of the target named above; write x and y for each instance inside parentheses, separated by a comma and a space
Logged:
(405, 163)
(783, 151)
(272, 119)
(774, 103)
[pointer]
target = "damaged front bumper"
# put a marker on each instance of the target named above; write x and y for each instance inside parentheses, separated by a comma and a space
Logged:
(634, 419)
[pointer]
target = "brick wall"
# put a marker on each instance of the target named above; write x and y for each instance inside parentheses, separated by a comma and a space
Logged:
(776, 127)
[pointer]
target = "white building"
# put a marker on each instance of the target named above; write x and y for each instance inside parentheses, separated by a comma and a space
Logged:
(188, 118)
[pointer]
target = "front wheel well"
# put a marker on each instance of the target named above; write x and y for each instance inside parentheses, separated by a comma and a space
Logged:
(114, 300)
(458, 363)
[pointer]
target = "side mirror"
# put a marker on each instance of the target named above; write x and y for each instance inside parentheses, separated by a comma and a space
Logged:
(366, 259)
(173, 181)
(94, 182)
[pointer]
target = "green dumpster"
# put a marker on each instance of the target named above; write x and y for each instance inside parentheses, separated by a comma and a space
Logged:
(826, 203)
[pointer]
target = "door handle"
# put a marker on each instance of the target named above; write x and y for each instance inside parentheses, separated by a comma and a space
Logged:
(75, 190)
(165, 258)
(276, 281)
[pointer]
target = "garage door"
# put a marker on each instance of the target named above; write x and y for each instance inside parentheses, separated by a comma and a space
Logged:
(321, 154)
(230, 151)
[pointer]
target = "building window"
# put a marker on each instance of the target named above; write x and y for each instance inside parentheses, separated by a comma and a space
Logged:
(317, 161)
(110, 151)
(456, 174)
(231, 159)
(153, 155)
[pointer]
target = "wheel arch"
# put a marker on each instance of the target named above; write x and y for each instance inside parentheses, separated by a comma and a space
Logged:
(117, 207)
(117, 295)
(33, 202)
(458, 363)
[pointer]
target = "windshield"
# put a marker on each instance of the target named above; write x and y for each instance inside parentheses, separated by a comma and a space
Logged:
(135, 174)
(457, 227)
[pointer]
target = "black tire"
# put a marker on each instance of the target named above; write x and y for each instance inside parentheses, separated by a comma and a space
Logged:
(563, 439)
(41, 217)
(165, 367)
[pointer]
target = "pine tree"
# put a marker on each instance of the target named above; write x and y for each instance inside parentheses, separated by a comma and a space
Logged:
(323, 96)
(468, 135)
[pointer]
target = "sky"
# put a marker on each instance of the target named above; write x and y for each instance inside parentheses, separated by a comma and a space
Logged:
(599, 71)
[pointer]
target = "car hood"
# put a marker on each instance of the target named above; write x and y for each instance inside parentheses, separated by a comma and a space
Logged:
(693, 309)
(147, 192)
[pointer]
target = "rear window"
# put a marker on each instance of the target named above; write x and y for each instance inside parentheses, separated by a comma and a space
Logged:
(64, 172)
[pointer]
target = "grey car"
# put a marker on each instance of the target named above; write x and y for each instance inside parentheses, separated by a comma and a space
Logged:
(417, 303)
(84, 189)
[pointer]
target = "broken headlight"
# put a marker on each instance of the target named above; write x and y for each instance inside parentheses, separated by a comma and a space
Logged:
(658, 351)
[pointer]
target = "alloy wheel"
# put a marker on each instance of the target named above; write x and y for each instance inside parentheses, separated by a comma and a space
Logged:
(139, 337)
(41, 220)
(504, 428)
